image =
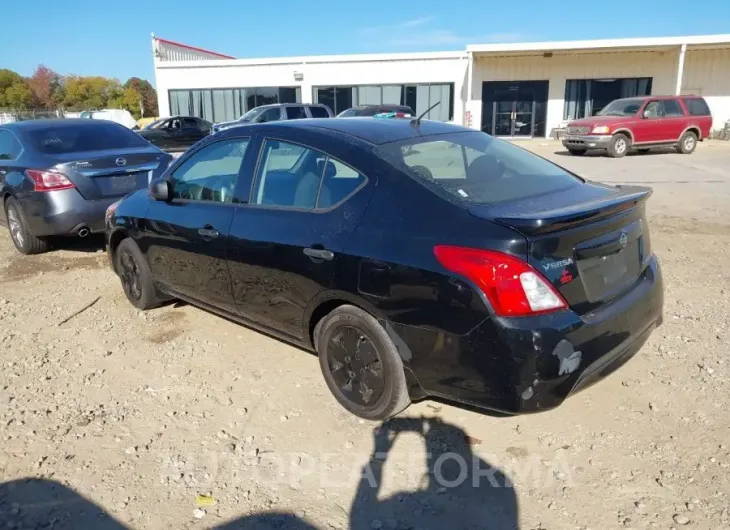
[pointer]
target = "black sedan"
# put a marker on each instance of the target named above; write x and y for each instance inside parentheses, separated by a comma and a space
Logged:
(57, 177)
(416, 259)
(176, 133)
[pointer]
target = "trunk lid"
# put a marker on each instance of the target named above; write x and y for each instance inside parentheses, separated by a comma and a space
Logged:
(111, 173)
(591, 242)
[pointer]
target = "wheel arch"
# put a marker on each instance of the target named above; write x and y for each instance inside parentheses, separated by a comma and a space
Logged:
(692, 128)
(625, 132)
(326, 302)
(115, 239)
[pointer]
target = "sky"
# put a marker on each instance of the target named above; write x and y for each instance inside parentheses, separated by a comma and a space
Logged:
(113, 39)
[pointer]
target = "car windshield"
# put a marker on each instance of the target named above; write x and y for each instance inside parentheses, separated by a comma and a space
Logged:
(157, 124)
(251, 114)
(621, 107)
(94, 136)
(475, 168)
(349, 113)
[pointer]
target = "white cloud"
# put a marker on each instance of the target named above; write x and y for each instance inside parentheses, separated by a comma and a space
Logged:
(419, 32)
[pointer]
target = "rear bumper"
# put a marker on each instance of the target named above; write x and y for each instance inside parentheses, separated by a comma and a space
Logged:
(587, 142)
(63, 212)
(522, 365)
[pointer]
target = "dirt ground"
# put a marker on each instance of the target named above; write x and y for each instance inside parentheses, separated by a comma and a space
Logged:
(177, 418)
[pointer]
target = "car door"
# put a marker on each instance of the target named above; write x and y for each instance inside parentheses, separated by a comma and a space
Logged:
(286, 245)
(185, 239)
(674, 120)
(10, 149)
(649, 126)
(191, 132)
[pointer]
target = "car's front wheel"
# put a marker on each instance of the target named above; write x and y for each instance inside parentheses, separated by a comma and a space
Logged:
(687, 143)
(619, 146)
(135, 274)
(20, 233)
(360, 364)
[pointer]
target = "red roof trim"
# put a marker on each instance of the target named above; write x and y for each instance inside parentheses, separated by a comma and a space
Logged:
(193, 48)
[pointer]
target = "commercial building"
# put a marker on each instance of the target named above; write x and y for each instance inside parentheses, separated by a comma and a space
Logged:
(522, 89)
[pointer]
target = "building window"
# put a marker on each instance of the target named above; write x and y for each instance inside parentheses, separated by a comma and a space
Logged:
(227, 104)
(418, 97)
(586, 97)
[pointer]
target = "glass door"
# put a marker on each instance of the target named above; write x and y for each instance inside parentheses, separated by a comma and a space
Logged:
(503, 112)
(522, 121)
(514, 108)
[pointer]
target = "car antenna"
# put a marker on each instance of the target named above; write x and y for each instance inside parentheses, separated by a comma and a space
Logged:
(417, 121)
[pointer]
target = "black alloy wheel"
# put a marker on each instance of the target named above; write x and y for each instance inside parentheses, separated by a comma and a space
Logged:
(355, 366)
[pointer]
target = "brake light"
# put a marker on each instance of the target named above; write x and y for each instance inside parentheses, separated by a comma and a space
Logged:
(49, 180)
(512, 286)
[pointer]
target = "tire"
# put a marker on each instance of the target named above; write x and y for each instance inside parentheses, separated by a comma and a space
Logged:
(135, 275)
(361, 365)
(577, 152)
(22, 237)
(687, 143)
(619, 146)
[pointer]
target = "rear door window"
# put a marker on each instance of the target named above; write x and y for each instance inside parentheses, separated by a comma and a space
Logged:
(295, 113)
(697, 106)
(474, 168)
(190, 123)
(672, 108)
(89, 136)
(319, 112)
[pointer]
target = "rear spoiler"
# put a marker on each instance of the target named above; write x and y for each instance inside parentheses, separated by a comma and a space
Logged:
(564, 217)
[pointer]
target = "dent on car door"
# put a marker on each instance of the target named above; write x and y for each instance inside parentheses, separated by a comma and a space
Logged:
(185, 239)
(287, 244)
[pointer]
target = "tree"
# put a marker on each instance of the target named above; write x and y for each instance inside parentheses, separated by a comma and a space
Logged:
(93, 92)
(45, 85)
(148, 93)
(9, 79)
(19, 96)
(130, 100)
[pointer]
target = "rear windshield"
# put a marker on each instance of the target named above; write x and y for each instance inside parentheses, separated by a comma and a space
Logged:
(475, 168)
(93, 136)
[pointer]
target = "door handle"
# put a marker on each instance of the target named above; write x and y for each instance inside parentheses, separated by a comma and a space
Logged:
(319, 253)
(208, 233)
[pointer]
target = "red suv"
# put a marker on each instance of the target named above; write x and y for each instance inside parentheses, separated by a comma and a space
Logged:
(642, 123)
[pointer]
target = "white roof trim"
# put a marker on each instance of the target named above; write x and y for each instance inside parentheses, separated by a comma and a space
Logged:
(314, 59)
(598, 44)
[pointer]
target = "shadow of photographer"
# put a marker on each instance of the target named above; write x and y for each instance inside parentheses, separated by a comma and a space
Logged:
(457, 490)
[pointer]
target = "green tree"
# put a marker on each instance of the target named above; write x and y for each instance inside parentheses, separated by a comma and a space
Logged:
(130, 100)
(93, 92)
(8, 79)
(19, 96)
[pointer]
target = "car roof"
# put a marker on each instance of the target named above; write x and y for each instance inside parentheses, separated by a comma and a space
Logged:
(373, 130)
(34, 125)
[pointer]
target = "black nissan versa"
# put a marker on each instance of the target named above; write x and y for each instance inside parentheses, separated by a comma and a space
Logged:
(416, 258)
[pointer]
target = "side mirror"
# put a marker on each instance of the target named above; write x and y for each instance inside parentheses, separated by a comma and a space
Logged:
(160, 190)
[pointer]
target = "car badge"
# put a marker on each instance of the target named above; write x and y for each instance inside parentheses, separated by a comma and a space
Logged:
(624, 239)
(120, 162)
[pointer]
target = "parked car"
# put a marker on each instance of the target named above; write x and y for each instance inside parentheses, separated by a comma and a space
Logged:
(402, 111)
(278, 112)
(120, 116)
(57, 177)
(176, 133)
(642, 123)
(416, 258)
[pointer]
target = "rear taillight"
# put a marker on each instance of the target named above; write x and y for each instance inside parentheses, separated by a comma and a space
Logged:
(511, 285)
(110, 211)
(49, 180)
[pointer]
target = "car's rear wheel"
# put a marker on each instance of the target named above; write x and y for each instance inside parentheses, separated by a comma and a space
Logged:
(20, 233)
(360, 364)
(577, 152)
(619, 145)
(135, 274)
(687, 143)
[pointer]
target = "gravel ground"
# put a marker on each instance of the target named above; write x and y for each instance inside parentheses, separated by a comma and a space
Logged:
(176, 418)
